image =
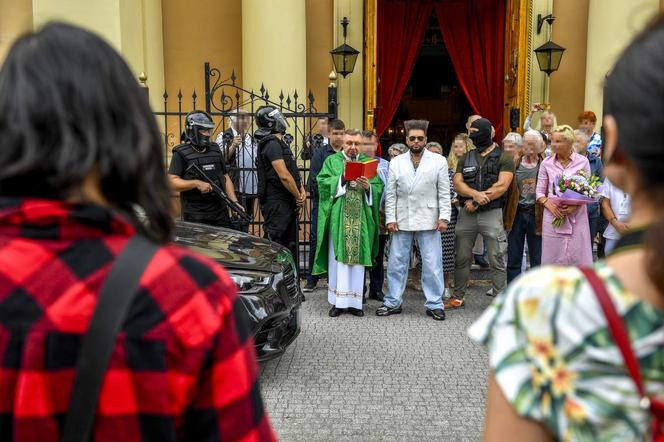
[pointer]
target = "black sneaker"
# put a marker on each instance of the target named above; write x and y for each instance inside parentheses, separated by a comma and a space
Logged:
(355, 311)
(334, 312)
(309, 287)
(384, 310)
(438, 314)
(376, 296)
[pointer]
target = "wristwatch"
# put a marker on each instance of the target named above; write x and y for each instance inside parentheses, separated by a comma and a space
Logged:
(445, 221)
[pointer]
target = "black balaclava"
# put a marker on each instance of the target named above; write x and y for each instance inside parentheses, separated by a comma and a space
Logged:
(201, 140)
(481, 137)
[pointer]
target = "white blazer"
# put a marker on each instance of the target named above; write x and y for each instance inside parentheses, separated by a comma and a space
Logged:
(416, 200)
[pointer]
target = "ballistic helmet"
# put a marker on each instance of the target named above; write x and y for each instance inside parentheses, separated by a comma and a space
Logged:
(270, 120)
(195, 121)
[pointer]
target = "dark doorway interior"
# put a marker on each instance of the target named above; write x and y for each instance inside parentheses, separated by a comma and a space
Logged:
(433, 93)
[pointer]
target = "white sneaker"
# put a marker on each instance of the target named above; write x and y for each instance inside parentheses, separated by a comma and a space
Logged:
(491, 292)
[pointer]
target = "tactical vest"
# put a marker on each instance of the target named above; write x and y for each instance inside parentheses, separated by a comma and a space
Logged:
(269, 183)
(211, 162)
(482, 178)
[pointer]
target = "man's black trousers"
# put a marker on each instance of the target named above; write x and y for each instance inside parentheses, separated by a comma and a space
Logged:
(280, 224)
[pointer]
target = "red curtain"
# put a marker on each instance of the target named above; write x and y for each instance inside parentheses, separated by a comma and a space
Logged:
(474, 35)
(401, 26)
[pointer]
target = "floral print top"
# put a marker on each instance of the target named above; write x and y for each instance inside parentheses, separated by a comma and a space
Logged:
(553, 356)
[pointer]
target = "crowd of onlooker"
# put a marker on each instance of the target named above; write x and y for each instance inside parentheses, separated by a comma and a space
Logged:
(503, 216)
(575, 349)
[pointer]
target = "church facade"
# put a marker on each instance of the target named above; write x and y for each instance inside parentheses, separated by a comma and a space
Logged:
(475, 56)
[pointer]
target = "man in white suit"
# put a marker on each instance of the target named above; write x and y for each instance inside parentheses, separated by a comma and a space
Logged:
(417, 205)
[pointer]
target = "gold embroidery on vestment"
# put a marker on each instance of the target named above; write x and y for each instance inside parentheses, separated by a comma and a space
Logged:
(352, 213)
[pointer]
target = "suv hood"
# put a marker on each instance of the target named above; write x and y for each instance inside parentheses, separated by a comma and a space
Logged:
(236, 250)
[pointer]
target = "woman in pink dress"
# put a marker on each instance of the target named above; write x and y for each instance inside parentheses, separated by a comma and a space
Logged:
(568, 244)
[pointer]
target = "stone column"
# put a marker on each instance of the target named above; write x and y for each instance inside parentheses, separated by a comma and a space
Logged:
(611, 26)
(132, 27)
(274, 47)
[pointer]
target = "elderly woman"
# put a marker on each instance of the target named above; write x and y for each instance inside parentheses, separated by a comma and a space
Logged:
(547, 123)
(522, 215)
(512, 144)
(434, 147)
(569, 243)
(556, 371)
(396, 149)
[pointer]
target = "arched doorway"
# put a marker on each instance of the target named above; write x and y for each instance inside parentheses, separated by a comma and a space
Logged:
(433, 93)
(488, 35)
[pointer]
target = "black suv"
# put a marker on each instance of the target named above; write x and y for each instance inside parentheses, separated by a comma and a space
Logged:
(265, 276)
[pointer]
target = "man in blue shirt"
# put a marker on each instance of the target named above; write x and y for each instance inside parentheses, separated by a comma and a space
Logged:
(377, 273)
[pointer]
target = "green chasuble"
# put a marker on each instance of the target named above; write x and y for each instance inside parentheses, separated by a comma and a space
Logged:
(351, 222)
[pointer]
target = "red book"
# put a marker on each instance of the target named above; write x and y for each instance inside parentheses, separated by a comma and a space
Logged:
(356, 169)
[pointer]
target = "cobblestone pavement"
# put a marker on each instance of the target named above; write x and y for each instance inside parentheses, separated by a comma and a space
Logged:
(399, 378)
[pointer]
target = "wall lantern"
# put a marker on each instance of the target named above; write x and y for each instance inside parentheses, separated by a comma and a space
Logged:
(549, 54)
(345, 56)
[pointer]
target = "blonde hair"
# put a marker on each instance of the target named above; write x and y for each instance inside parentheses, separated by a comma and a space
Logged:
(555, 120)
(452, 160)
(567, 132)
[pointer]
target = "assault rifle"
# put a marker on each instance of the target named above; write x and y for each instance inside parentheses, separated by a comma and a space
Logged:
(235, 207)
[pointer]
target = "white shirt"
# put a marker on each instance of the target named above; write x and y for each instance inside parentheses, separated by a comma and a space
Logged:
(245, 161)
(621, 205)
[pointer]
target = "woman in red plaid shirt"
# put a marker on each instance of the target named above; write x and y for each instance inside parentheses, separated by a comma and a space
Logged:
(81, 152)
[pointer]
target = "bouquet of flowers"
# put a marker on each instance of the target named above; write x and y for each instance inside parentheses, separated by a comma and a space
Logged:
(575, 190)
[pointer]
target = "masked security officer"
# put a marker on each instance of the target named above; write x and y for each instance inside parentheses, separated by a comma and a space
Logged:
(280, 188)
(482, 177)
(199, 203)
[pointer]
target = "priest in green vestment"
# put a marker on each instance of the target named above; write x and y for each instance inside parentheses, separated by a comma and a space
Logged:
(347, 227)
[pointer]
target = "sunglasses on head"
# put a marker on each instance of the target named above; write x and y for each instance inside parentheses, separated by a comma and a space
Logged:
(416, 138)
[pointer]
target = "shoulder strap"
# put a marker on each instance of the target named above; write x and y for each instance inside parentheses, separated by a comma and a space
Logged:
(616, 327)
(115, 298)
(631, 240)
(473, 157)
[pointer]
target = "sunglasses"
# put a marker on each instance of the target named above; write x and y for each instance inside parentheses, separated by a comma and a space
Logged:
(414, 138)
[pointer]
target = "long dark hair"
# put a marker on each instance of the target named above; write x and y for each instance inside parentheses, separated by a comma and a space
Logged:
(69, 107)
(634, 96)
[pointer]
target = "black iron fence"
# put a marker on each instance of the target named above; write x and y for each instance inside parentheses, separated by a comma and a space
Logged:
(233, 109)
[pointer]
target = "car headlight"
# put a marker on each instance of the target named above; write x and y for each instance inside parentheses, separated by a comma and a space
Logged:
(251, 282)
